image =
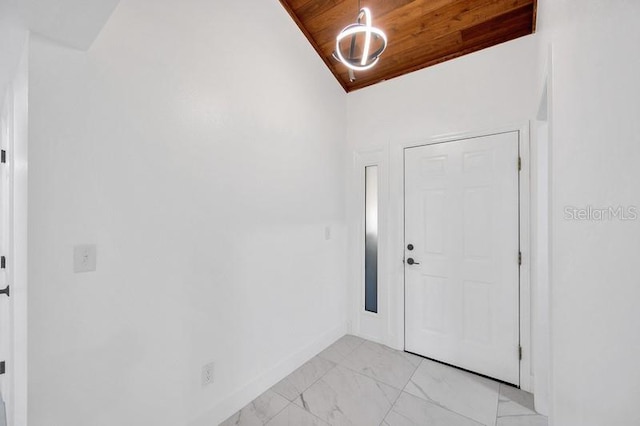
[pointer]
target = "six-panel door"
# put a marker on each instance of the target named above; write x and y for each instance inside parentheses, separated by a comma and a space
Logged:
(462, 290)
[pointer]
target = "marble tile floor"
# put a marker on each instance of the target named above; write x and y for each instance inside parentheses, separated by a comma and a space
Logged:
(356, 382)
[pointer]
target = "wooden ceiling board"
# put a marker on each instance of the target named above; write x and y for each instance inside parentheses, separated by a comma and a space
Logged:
(408, 35)
(421, 33)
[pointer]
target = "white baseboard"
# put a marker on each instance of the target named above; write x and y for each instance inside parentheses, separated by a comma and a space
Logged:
(541, 402)
(526, 383)
(263, 382)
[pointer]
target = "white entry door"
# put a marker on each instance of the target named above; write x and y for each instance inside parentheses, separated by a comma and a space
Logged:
(462, 254)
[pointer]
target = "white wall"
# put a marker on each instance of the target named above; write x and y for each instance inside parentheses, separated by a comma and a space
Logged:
(201, 148)
(479, 92)
(74, 23)
(486, 89)
(595, 150)
(13, 35)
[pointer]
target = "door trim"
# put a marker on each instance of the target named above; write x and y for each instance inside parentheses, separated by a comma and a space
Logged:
(526, 381)
(14, 106)
(367, 324)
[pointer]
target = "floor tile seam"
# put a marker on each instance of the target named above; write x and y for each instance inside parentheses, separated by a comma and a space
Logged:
(498, 404)
(369, 377)
(522, 415)
(387, 415)
(287, 406)
(442, 406)
(281, 410)
(377, 379)
(309, 387)
(363, 375)
(326, 358)
(413, 373)
(273, 389)
(314, 415)
(468, 373)
(343, 356)
(335, 364)
(313, 383)
(425, 398)
(391, 408)
(393, 404)
(355, 348)
(436, 403)
(251, 403)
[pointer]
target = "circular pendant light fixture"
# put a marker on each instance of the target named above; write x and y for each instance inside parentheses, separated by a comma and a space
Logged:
(364, 55)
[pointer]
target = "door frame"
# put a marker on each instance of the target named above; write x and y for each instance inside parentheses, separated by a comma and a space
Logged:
(14, 108)
(371, 326)
(523, 131)
(6, 249)
(387, 326)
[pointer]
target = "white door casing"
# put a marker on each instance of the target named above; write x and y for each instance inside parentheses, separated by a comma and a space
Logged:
(462, 217)
(13, 243)
(6, 317)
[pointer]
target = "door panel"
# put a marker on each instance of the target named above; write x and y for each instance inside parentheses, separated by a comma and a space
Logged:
(461, 216)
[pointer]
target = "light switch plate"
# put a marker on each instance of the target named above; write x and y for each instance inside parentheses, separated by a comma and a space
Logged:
(84, 258)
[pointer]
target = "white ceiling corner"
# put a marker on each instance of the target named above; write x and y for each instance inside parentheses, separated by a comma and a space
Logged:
(74, 23)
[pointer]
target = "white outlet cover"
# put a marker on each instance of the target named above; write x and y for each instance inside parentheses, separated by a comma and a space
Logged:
(84, 258)
(327, 233)
(207, 373)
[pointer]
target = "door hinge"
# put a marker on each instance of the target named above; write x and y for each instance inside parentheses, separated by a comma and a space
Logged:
(520, 353)
(2, 367)
(3, 156)
(519, 258)
(3, 262)
(519, 163)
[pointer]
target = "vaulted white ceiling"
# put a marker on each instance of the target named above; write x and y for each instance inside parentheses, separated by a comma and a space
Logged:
(75, 23)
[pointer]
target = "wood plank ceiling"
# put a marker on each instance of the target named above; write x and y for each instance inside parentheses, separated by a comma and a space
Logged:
(421, 33)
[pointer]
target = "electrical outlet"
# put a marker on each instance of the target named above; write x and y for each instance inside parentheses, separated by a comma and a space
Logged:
(327, 233)
(84, 258)
(207, 373)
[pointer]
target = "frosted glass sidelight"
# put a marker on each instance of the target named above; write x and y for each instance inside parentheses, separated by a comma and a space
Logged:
(371, 240)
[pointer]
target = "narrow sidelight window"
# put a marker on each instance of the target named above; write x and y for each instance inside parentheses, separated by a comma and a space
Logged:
(371, 239)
